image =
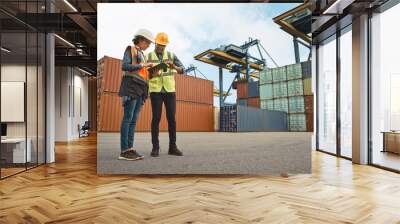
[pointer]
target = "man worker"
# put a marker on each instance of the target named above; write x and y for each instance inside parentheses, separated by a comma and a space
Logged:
(162, 90)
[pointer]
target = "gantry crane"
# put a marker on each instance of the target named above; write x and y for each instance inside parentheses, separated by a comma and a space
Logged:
(236, 59)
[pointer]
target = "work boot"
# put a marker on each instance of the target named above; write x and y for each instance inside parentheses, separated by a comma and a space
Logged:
(173, 150)
(155, 151)
(130, 155)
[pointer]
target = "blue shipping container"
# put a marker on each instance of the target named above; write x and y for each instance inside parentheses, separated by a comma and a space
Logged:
(253, 89)
(248, 119)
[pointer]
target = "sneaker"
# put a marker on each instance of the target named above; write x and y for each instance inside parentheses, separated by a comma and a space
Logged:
(130, 155)
(155, 151)
(173, 150)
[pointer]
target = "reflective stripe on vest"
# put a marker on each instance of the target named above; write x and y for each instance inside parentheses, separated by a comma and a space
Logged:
(135, 60)
(165, 79)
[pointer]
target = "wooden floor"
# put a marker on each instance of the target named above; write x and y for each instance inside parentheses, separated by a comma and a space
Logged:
(71, 192)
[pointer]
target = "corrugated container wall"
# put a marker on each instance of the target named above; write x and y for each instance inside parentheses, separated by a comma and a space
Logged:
(294, 71)
(295, 87)
(266, 76)
(248, 119)
(307, 87)
(189, 116)
(242, 102)
(109, 74)
(306, 69)
(253, 89)
(242, 90)
(216, 118)
(266, 91)
(253, 102)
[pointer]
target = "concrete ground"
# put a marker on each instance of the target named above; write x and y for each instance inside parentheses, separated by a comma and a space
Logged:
(259, 153)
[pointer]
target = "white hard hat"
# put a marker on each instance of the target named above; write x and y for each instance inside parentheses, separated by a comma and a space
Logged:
(146, 34)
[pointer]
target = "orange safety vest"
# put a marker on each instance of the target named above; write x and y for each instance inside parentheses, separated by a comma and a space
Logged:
(143, 71)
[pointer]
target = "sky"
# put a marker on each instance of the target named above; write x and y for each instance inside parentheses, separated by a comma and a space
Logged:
(194, 28)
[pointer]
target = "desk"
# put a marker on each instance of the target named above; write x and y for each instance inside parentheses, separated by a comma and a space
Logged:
(391, 141)
(13, 150)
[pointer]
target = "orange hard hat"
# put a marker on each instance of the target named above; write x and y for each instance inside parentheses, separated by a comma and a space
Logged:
(162, 39)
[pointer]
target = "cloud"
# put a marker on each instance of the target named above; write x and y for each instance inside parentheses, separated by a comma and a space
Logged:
(194, 28)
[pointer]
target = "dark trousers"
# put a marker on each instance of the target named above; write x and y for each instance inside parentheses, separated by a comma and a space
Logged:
(157, 100)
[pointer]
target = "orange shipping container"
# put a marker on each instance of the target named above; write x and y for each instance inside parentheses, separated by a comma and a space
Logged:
(189, 116)
(309, 104)
(192, 89)
(109, 74)
(310, 122)
(242, 88)
(188, 88)
(253, 102)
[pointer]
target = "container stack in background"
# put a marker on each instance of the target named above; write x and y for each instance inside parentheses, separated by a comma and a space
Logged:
(288, 89)
(246, 115)
(194, 102)
(248, 93)
(238, 118)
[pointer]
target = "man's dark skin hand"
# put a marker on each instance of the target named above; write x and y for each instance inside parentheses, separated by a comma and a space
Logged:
(178, 69)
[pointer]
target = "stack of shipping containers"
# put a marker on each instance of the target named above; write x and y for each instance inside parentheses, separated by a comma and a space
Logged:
(246, 115)
(237, 118)
(288, 89)
(194, 101)
(248, 93)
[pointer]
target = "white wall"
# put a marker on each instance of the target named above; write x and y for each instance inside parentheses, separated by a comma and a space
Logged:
(71, 87)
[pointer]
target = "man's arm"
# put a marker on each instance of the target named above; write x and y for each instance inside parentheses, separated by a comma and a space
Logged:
(178, 66)
(127, 62)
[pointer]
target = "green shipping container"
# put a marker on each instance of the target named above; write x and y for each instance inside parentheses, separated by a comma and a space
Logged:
(307, 87)
(279, 74)
(281, 104)
(266, 76)
(280, 89)
(266, 92)
(267, 104)
(295, 87)
(297, 122)
(242, 102)
(294, 71)
(296, 104)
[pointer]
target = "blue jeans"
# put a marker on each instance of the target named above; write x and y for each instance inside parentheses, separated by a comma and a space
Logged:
(132, 109)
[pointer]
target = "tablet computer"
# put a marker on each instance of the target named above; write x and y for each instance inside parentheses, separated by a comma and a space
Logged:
(161, 66)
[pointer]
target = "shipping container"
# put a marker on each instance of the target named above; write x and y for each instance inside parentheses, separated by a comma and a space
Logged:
(189, 116)
(306, 69)
(216, 118)
(267, 104)
(253, 102)
(307, 86)
(248, 119)
(110, 74)
(266, 92)
(295, 87)
(310, 122)
(242, 102)
(296, 104)
(192, 89)
(280, 89)
(242, 89)
(309, 104)
(297, 122)
(188, 88)
(265, 76)
(281, 104)
(253, 89)
(279, 74)
(294, 71)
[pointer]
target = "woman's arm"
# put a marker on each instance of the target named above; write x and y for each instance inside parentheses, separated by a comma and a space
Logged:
(127, 62)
